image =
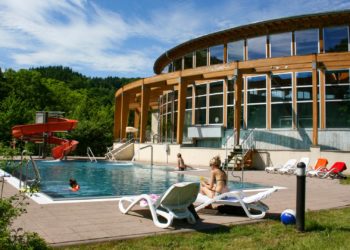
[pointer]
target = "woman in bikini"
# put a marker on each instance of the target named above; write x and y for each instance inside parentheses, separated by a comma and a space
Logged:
(218, 180)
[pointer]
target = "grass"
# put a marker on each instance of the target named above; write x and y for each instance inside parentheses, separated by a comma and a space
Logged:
(328, 229)
(345, 181)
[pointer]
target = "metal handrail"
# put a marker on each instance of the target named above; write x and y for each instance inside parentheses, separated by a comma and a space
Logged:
(247, 144)
(90, 154)
(37, 178)
(111, 152)
(225, 164)
(147, 146)
(35, 167)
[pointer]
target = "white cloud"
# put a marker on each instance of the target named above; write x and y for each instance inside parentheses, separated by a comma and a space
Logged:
(83, 35)
(58, 32)
(173, 24)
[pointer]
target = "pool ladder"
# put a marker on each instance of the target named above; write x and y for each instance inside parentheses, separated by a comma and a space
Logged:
(90, 154)
(31, 182)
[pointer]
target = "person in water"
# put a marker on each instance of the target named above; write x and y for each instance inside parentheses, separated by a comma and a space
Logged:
(180, 163)
(74, 186)
(218, 180)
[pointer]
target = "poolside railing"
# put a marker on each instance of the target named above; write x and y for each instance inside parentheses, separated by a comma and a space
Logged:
(147, 146)
(112, 152)
(90, 154)
(25, 162)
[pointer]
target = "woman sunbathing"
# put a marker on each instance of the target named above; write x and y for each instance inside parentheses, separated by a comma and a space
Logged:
(218, 180)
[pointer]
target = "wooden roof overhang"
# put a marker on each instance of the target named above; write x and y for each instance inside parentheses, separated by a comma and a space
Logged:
(170, 81)
(253, 30)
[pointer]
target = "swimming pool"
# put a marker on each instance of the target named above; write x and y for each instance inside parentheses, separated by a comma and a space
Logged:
(111, 179)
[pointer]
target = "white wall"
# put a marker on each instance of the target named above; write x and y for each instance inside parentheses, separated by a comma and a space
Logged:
(200, 157)
(194, 157)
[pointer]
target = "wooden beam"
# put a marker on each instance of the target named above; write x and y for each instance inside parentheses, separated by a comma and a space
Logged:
(136, 122)
(294, 104)
(181, 105)
(314, 103)
(268, 100)
(224, 120)
(193, 122)
(117, 117)
(124, 115)
(238, 100)
(217, 74)
(323, 98)
(144, 112)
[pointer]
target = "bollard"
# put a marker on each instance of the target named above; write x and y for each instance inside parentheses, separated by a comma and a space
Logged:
(300, 213)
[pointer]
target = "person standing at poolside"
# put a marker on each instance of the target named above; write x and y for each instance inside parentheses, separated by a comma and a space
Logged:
(180, 163)
(218, 180)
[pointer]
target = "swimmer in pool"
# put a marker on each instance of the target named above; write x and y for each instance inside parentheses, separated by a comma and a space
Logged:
(74, 186)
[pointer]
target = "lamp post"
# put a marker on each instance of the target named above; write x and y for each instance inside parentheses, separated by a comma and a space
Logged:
(300, 213)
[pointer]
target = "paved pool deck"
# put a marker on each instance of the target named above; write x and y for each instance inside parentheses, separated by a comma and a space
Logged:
(80, 223)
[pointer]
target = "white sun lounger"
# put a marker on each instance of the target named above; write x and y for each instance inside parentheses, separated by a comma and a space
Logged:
(172, 204)
(281, 168)
(239, 198)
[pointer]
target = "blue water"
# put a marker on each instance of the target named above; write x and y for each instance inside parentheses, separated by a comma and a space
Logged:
(105, 179)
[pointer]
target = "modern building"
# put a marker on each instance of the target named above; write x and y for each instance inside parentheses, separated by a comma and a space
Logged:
(286, 79)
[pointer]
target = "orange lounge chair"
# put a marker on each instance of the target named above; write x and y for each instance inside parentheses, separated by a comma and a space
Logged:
(320, 165)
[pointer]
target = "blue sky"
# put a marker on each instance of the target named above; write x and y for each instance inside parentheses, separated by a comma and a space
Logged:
(124, 37)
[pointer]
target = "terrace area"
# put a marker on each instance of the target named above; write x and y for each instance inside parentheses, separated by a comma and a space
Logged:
(84, 222)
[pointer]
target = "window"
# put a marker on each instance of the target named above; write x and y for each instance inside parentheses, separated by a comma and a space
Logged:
(281, 44)
(281, 101)
(177, 64)
(166, 69)
(168, 122)
(304, 114)
(235, 51)
(216, 102)
(306, 42)
(188, 61)
(257, 48)
(257, 116)
(336, 39)
(230, 102)
(201, 104)
(189, 98)
(337, 99)
(216, 54)
(188, 114)
(187, 123)
(201, 57)
(304, 99)
(256, 102)
(215, 115)
(201, 116)
(170, 67)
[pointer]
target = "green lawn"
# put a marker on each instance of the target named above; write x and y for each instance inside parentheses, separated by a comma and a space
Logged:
(345, 181)
(329, 229)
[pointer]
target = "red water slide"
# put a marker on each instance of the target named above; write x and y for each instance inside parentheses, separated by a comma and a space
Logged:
(34, 132)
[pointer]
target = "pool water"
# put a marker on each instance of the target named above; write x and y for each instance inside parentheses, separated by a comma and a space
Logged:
(108, 179)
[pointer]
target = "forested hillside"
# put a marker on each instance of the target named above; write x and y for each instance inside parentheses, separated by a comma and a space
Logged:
(88, 100)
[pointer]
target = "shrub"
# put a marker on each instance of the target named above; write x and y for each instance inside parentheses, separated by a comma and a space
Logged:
(11, 208)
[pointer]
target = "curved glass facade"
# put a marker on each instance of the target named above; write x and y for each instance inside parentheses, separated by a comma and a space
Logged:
(304, 42)
(289, 103)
